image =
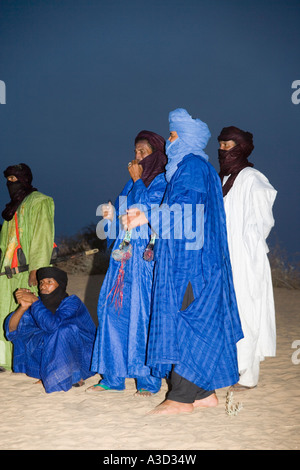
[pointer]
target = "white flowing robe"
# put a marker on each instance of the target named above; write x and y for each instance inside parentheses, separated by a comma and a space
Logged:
(248, 207)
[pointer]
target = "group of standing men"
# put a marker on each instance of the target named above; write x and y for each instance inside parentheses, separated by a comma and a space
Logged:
(198, 310)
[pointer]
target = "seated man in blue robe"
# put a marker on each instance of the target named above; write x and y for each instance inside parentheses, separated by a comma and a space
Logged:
(53, 334)
(194, 344)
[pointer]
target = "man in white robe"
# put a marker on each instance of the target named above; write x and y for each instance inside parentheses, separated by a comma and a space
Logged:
(248, 200)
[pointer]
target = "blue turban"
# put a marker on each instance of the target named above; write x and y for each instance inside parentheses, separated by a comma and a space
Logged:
(193, 136)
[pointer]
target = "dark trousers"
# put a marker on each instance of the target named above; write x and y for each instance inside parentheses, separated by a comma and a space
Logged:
(184, 391)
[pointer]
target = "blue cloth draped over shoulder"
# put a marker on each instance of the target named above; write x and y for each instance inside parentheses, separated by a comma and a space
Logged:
(56, 348)
(120, 346)
(199, 341)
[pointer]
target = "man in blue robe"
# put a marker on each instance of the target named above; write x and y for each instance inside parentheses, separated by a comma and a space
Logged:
(53, 334)
(125, 296)
(195, 344)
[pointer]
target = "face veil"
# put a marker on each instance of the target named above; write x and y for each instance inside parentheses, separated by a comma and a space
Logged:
(19, 189)
(53, 300)
(236, 159)
(153, 164)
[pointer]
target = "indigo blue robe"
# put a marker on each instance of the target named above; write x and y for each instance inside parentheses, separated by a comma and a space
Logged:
(120, 347)
(200, 341)
(56, 348)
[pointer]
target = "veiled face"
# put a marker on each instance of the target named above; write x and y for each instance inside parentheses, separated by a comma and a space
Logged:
(227, 144)
(173, 136)
(12, 178)
(142, 150)
(47, 285)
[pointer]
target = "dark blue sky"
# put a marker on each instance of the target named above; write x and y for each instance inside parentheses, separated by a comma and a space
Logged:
(84, 77)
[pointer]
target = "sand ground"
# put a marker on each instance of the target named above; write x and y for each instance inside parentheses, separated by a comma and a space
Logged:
(75, 420)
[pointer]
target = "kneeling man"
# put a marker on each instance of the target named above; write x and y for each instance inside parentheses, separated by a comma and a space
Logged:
(53, 334)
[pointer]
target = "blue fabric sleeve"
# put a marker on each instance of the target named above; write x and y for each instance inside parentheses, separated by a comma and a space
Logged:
(50, 322)
(189, 186)
(140, 194)
(26, 324)
(10, 335)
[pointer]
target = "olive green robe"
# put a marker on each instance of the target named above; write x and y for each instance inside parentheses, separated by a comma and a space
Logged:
(35, 217)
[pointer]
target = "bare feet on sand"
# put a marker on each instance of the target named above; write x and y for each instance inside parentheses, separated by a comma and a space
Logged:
(79, 384)
(97, 388)
(170, 407)
(240, 388)
(142, 392)
(208, 402)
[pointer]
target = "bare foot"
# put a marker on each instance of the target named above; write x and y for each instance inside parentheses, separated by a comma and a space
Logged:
(97, 388)
(170, 407)
(142, 392)
(240, 388)
(208, 402)
(78, 384)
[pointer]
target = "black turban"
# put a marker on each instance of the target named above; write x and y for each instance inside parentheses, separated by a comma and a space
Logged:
(21, 171)
(18, 190)
(153, 164)
(53, 300)
(156, 141)
(53, 272)
(243, 138)
(234, 160)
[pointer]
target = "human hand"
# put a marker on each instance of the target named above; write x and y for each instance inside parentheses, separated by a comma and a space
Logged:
(133, 218)
(108, 211)
(32, 280)
(135, 170)
(25, 298)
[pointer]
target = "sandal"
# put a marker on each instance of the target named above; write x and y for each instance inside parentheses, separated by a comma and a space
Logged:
(104, 387)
